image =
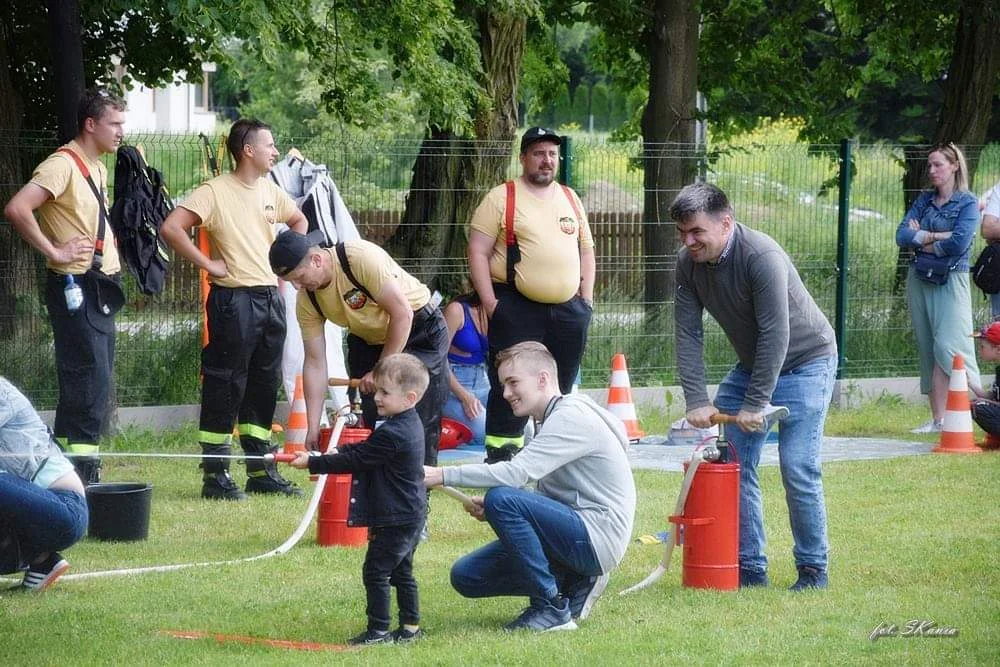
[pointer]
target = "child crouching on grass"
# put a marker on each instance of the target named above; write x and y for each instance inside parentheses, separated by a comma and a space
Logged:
(388, 496)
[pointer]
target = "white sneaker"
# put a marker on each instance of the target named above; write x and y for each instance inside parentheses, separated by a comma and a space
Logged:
(932, 426)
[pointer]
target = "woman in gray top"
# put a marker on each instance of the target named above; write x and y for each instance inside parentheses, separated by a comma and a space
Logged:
(42, 504)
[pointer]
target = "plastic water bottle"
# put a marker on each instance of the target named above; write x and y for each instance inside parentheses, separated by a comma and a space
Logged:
(74, 295)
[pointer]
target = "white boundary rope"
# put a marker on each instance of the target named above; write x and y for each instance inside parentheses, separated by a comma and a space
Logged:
(284, 547)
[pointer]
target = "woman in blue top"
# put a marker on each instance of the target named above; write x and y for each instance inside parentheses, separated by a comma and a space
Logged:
(942, 222)
(470, 387)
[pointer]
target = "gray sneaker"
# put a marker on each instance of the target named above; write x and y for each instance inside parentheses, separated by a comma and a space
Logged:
(584, 594)
(932, 426)
(544, 617)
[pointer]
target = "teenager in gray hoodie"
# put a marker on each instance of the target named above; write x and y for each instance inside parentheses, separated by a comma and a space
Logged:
(556, 544)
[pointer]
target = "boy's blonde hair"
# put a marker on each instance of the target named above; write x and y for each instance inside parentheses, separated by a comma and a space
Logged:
(530, 356)
(403, 370)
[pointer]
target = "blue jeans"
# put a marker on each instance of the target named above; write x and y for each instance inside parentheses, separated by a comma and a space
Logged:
(995, 306)
(42, 519)
(543, 545)
(806, 392)
(473, 378)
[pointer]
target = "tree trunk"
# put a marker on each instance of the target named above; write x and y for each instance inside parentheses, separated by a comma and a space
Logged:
(451, 174)
(668, 133)
(972, 79)
(66, 47)
(968, 101)
(18, 254)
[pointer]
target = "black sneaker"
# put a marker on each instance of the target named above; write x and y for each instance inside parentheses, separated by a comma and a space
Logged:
(753, 578)
(404, 636)
(88, 468)
(269, 481)
(809, 577)
(42, 575)
(220, 486)
(583, 594)
(545, 617)
(371, 637)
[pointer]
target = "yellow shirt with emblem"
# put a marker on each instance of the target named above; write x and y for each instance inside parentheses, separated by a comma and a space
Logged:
(239, 220)
(345, 305)
(550, 237)
(74, 210)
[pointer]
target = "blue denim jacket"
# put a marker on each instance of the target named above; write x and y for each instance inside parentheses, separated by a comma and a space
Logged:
(959, 215)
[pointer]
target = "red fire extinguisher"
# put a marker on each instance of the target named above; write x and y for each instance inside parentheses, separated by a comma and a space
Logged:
(708, 529)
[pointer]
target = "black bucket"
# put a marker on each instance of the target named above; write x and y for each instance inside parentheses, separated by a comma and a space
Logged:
(119, 512)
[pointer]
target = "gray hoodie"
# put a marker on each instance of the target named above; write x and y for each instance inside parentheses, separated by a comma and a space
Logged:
(577, 457)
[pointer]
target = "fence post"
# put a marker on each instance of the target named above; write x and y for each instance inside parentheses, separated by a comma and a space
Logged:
(566, 162)
(843, 217)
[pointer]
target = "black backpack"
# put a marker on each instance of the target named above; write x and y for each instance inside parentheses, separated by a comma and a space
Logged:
(986, 272)
(141, 205)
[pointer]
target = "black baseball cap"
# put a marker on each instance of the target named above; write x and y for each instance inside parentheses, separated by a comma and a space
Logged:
(539, 134)
(290, 248)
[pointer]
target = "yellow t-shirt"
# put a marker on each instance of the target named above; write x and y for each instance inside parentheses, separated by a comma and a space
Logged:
(74, 210)
(550, 237)
(239, 220)
(347, 306)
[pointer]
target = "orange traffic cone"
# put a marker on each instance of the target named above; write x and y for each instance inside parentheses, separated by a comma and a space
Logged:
(295, 433)
(956, 434)
(620, 398)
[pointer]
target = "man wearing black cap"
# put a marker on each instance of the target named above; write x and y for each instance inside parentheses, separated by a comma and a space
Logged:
(531, 260)
(246, 317)
(358, 286)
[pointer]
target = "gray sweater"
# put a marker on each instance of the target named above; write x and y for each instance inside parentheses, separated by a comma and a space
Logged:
(757, 297)
(578, 457)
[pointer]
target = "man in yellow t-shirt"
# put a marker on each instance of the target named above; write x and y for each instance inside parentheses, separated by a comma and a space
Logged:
(241, 364)
(384, 309)
(542, 287)
(70, 209)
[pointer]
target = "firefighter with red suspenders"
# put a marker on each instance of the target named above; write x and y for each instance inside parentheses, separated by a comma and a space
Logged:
(531, 260)
(82, 290)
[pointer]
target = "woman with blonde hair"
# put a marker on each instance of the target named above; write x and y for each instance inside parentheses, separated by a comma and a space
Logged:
(939, 228)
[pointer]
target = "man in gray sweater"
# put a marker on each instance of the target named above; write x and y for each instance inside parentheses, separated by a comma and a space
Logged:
(787, 356)
(558, 544)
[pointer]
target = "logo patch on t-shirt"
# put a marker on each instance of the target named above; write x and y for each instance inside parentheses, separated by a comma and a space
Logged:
(269, 214)
(355, 299)
(567, 225)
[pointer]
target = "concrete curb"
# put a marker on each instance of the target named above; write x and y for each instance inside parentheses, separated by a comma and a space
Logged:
(846, 393)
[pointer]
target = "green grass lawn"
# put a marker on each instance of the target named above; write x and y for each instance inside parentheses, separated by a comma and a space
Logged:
(912, 538)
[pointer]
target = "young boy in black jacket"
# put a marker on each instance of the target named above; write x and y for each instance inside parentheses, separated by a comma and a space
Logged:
(388, 496)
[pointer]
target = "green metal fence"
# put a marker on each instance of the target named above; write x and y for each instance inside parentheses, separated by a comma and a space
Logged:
(792, 192)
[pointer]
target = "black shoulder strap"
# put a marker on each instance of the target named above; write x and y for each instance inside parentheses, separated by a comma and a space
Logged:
(342, 257)
(315, 302)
